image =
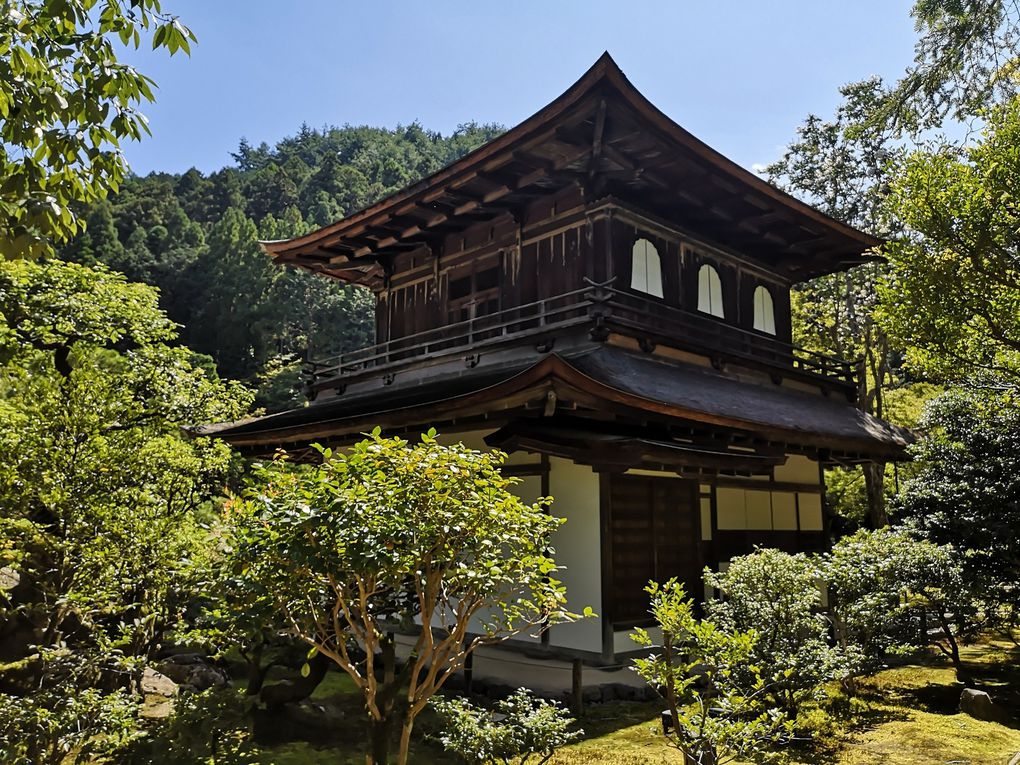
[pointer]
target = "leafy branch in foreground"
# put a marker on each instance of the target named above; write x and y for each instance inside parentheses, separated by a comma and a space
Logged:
(389, 536)
(717, 699)
(66, 103)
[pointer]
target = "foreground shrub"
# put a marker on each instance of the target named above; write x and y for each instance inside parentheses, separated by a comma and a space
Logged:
(526, 727)
(718, 702)
(390, 532)
(778, 595)
(890, 593)
(967, 493)
(209, 727)
(65, 725)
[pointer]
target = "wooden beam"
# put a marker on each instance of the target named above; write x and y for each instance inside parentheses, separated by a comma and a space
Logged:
(596, 141)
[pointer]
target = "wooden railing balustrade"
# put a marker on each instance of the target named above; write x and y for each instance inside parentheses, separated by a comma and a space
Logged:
(601, 307)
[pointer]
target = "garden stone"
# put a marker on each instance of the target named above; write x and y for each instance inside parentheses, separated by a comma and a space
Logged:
(198, 676)
(591, 695)
(158, 684)
(620, 691)
(978, 705)
(186, 658)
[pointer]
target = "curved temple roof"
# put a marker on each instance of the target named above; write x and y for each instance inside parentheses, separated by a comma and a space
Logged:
(603, 135)
(595, 380)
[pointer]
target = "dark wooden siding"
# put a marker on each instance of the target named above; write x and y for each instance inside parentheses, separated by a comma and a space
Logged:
(557, 248)
(654, 535)
(729, 544)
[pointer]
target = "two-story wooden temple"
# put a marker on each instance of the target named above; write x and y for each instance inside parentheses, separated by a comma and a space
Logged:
(607, 299)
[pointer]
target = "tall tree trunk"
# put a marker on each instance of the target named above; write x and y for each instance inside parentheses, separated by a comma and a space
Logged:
(379, 738)
(256, 672)
(405, 740)
(385, 700)
(874, 485)
(953, 650)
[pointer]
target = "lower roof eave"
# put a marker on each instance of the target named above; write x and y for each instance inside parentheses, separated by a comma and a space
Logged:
(837, 432)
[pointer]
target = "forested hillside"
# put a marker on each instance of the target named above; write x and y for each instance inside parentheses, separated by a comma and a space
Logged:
(195, 237)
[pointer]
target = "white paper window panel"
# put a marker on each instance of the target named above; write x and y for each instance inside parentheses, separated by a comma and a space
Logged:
(731, 512)
(810, 511)
(784, 511)
(706, 518)
(646, 268)
(764, 311)
(710, 291)
(759, 510)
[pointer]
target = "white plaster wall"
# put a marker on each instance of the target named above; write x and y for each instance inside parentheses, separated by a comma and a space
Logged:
(575, 492)
(798, 469)
(475, 439)
(624, 643)
(528, 488)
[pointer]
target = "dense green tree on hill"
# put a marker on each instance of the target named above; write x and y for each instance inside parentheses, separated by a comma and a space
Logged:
(195, 237)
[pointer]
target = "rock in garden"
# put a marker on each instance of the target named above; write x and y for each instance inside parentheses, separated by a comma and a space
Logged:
(198, 676)
(157, 683)
(978, 705)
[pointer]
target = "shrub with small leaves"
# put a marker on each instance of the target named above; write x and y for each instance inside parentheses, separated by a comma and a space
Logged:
(518, 729)
(64, 725)
(213, 727)
(718, 702)
(779, 595)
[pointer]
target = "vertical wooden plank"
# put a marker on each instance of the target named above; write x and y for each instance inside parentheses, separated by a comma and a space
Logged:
(606, 552)
(577, 686)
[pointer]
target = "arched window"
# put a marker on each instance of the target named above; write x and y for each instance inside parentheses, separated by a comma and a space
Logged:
(646, 271)
(764, 312)
(710, 291)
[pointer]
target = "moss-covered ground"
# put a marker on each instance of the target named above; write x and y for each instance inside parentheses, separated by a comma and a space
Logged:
(906, 715)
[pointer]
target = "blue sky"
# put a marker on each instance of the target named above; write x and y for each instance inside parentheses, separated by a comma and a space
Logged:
(739, 74)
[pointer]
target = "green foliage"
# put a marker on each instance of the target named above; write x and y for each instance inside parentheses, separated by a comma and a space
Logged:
(527, 729)
(102, 498)
(208, 727)
(839, 166)
(715, 694)
(777, 595)
(886, 589)
(66, 103)
(952, 292)
(964, 59)
(386, 534)
(967, 492)
(64, 721)
(195, 237)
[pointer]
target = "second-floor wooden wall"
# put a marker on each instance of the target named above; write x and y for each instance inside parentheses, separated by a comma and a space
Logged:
(559, 242)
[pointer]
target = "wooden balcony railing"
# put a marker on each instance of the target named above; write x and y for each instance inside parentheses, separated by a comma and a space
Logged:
(601, 308)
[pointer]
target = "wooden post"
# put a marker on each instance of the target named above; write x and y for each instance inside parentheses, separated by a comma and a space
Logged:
(469, 671)
(577, 687)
